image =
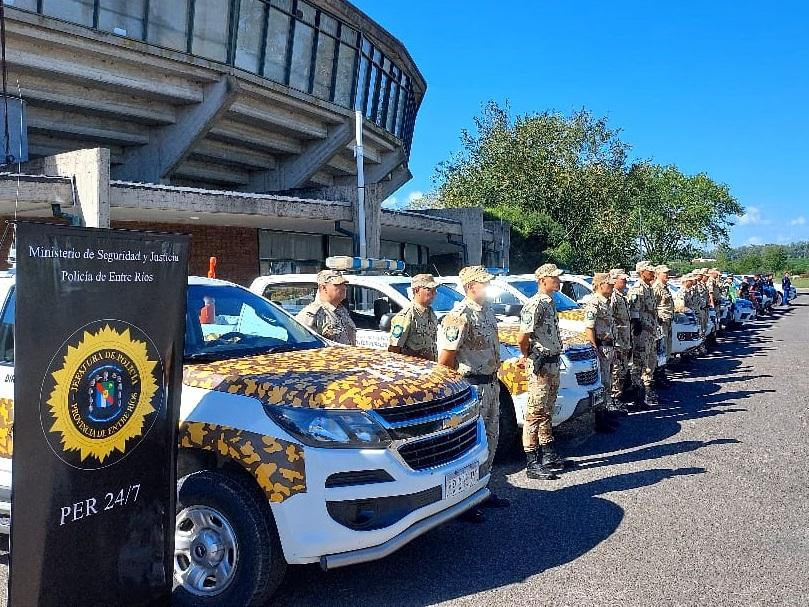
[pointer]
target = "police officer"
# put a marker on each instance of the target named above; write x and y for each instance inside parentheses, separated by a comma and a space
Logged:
(468, 341)
(325, 315)
(701, 292)
(714, 287)
(665, 316)
(643, 313)
(622, 353)
(540, 347)
(414, 330)
(598, 326)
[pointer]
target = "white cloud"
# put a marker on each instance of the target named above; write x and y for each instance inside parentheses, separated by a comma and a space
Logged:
(414, 196)
(798, 221)
(752, 217)
(754, 240)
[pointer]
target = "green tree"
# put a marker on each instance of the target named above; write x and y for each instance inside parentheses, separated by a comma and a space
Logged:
(564, 185)
(774, 258)
(675, 213)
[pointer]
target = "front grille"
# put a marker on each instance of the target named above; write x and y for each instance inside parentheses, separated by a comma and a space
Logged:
(396, 415)
(585, 378)
(581, 354)
(439, 449)
(688, 336)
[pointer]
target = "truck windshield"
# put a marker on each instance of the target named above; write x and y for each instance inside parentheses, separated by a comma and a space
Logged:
(529, 289)
(445, 297)
(224, 321)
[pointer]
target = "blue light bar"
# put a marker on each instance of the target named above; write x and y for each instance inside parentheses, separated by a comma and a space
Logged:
(497, 271)
(346, 263)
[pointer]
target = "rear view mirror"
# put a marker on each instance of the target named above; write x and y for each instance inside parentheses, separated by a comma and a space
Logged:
(512, 310)
(384, 322)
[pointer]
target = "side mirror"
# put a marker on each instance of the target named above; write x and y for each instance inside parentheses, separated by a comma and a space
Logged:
(384, 322)
(512, 310)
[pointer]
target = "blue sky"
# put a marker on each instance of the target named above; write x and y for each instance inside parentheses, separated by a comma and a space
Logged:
(720, 87)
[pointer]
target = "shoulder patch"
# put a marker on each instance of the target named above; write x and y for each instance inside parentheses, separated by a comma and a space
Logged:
(451, 332)
(527, 316)
(397, 330)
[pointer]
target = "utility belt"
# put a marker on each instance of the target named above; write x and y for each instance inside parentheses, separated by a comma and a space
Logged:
(545, 359)
(477, 379)
(605, 341)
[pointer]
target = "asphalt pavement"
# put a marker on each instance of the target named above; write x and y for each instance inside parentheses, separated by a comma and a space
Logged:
(702, 501)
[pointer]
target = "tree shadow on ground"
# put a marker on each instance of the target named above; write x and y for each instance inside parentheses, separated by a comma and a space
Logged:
(553, 527)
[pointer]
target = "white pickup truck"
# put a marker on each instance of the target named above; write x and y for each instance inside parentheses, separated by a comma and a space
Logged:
(294, 450)
(373, 300)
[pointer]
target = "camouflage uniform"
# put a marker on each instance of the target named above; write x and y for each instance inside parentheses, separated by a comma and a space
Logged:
(701, 293)
(598, 317)
(715, 289)
(415, 330)
(331, 322)
(470, 330)
(539, 320)
(643, 308)
(623, 340)
(665, 311)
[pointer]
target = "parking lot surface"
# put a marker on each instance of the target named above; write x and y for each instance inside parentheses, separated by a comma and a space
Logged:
(703, 501)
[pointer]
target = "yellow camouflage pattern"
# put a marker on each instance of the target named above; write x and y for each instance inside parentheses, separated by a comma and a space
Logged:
(6, 424)
(332, 377)
(577, 314)
(277, 465)
(509, 332)
(514, 377)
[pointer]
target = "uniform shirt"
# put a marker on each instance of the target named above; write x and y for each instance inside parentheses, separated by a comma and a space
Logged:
(715, 290)
(665, 302)
(415, 330)
(331, 322)
(702, 294)
(470, 330)
(598, 317)
(539, 320)
(620, 320)
(691, 299)
(643, 306)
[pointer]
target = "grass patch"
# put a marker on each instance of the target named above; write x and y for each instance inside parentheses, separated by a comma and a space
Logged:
(800, 283)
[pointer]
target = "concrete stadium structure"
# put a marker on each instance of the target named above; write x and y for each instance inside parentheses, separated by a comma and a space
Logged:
(233, 120)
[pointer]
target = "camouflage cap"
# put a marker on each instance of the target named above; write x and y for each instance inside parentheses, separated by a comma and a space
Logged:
(474, 274)
(662, 268)
(546, 270)
(602, 277)
(714, 271)
(331, 277)
(644, 266)
(423, 280)
(617, 273)
(686, 277)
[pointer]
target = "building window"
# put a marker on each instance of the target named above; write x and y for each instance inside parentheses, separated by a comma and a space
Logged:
(77, 11)
(275, 55)
(211, 21)
(168, 24)
(252, 21)
(340, 245)
(289, 252)
(26, 5)
(122, 17)
(324, 66)
(301, 65)
(344, 84)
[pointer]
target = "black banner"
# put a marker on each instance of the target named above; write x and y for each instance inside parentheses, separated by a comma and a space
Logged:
(100, 322)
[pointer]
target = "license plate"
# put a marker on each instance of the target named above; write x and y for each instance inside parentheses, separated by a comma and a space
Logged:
(461, 481)
(598, 396)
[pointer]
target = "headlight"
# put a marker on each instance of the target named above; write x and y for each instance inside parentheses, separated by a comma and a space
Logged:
(330, 428)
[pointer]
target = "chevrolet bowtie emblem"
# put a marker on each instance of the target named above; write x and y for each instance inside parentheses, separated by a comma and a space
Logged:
(452, 422)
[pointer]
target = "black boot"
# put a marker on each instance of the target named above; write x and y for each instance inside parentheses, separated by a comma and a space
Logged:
(651, 398)
(603, 425)
(534, 468)
(552, 461)
(661, 380)
(639, 401)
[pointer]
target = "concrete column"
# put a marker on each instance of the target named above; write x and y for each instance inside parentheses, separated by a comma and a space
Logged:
(90, 170)
(471, 220)
(502, 239)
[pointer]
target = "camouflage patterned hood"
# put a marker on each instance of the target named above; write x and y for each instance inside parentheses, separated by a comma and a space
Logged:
(332, 377)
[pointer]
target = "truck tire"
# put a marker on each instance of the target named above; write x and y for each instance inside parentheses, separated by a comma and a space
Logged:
(227, 550)
(509, 431)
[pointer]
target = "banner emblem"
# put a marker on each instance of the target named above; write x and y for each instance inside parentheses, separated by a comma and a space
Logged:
(102, 394)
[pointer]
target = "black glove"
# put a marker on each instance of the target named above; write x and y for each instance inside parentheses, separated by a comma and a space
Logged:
(637, 326)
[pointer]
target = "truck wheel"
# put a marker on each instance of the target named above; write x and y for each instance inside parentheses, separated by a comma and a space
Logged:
(227, 550)
(509, 431)
(778, 298)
